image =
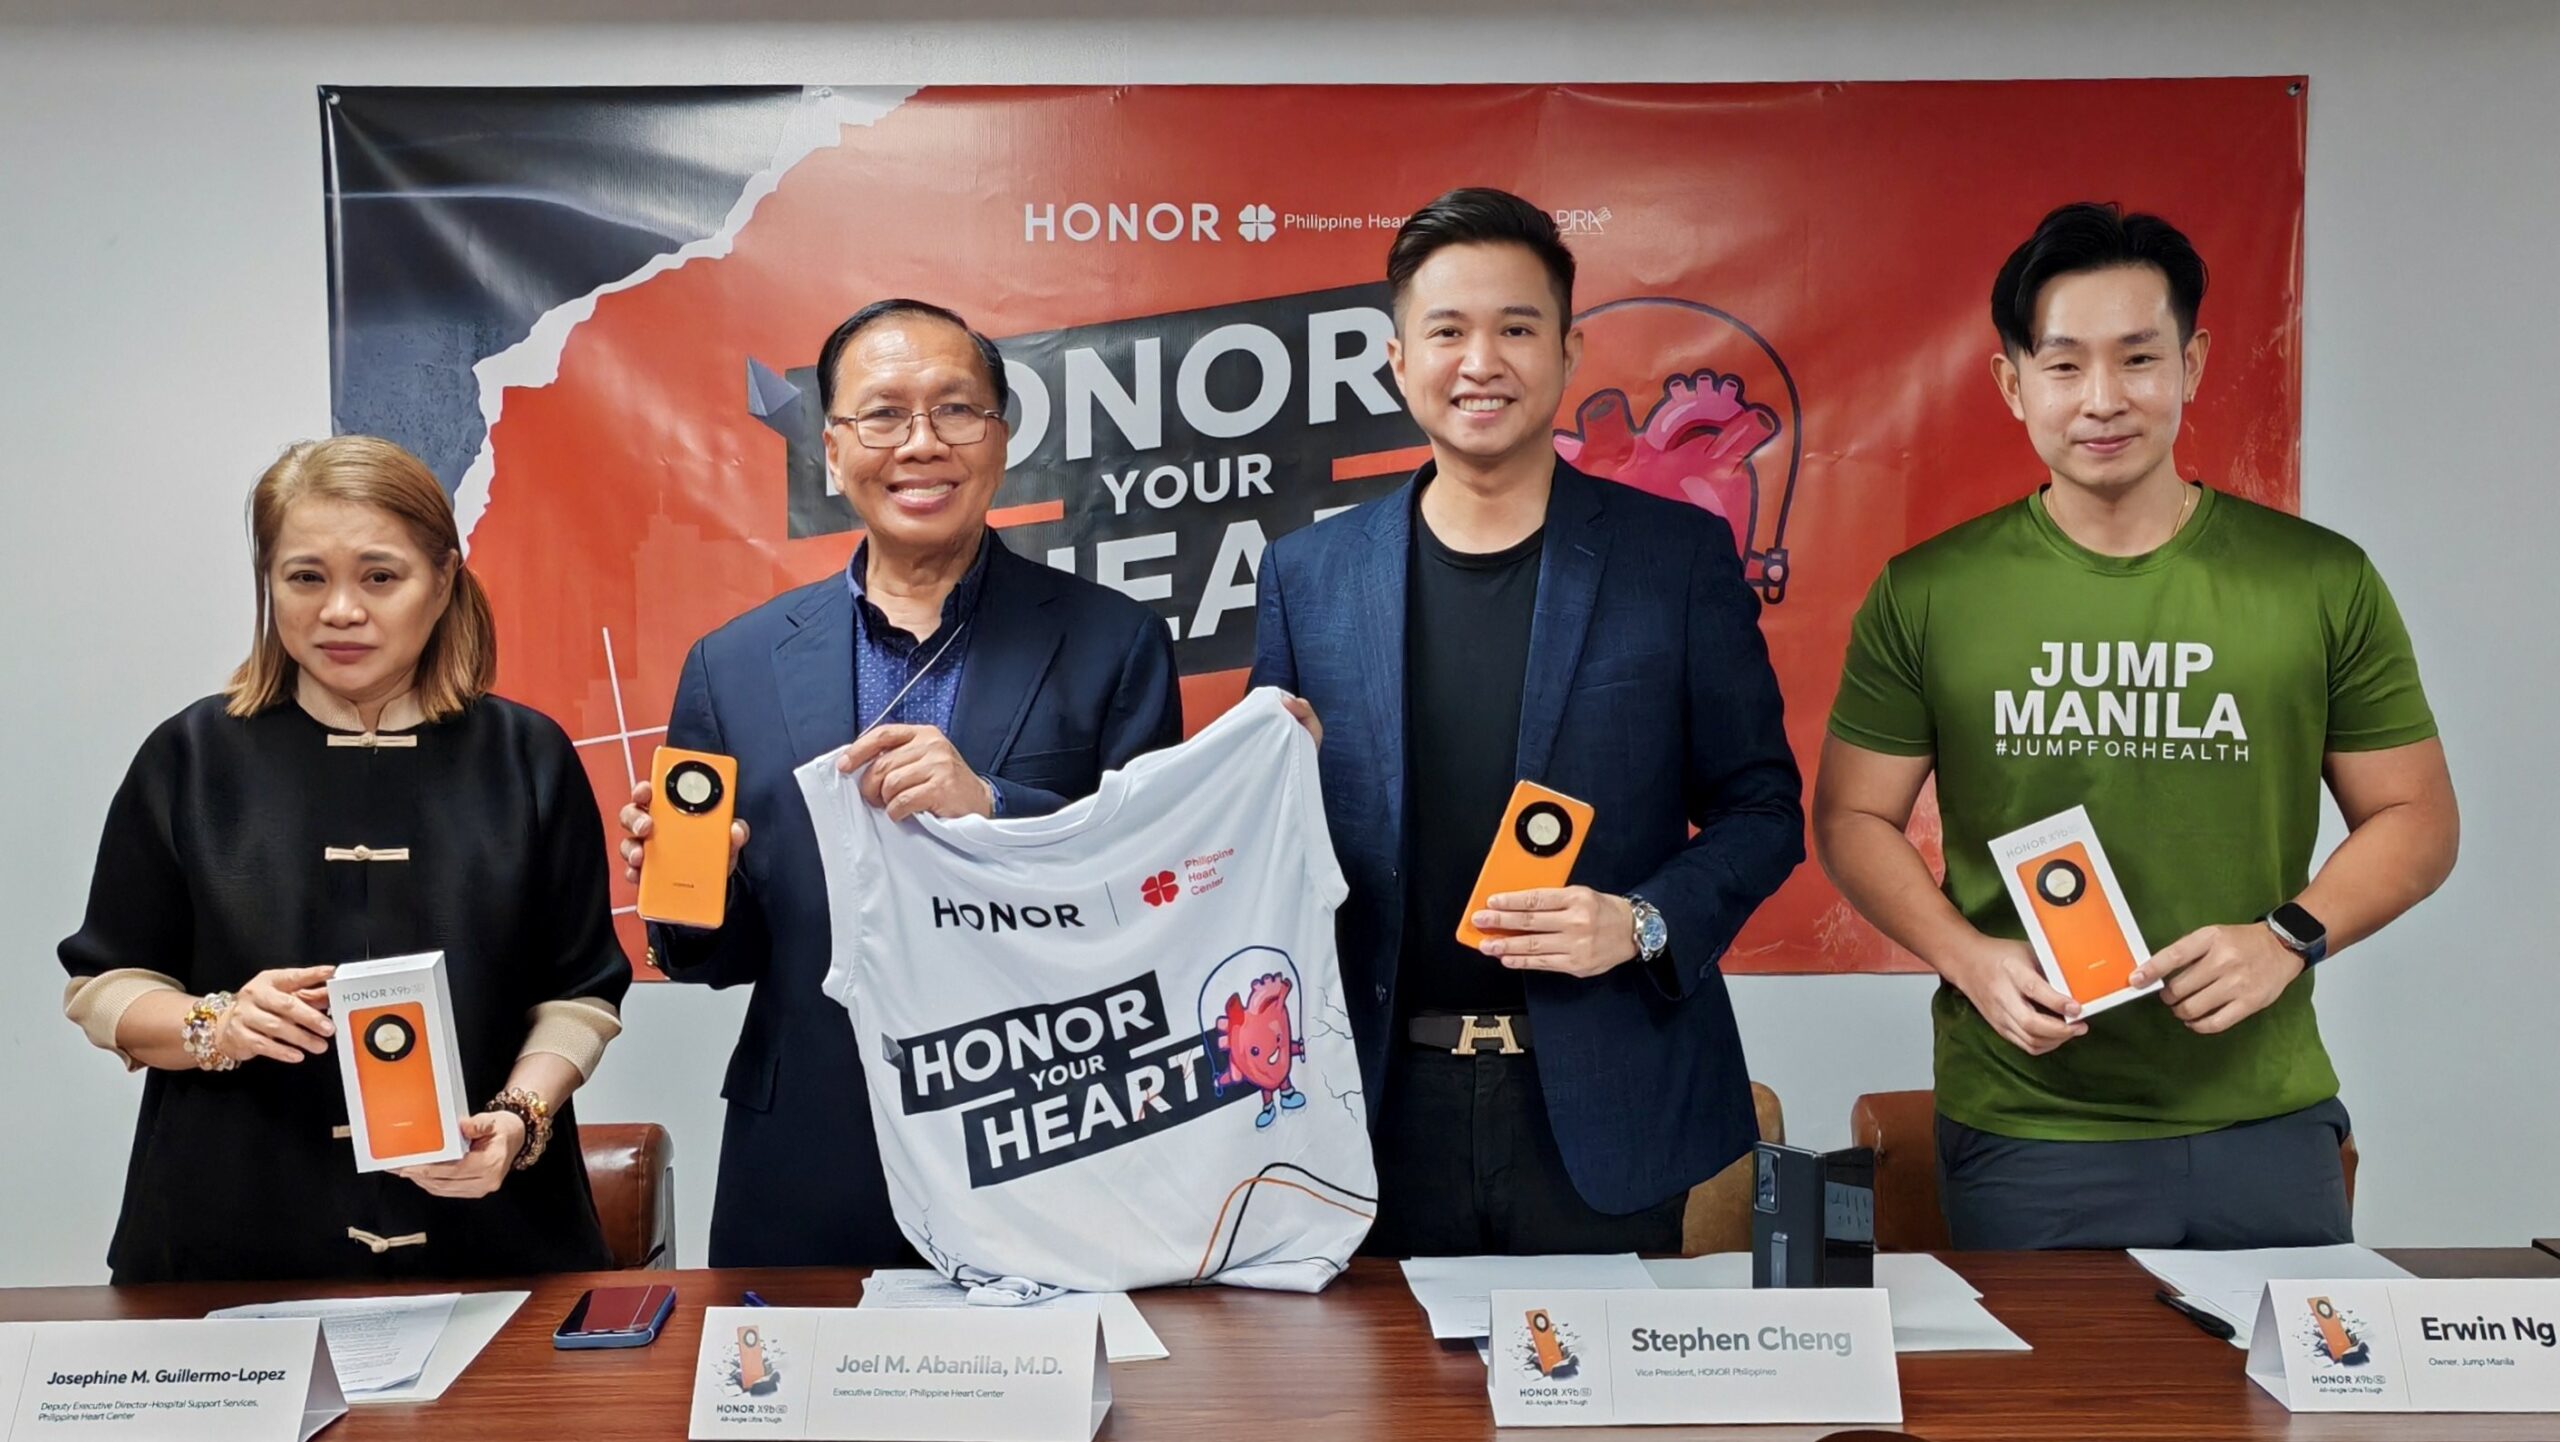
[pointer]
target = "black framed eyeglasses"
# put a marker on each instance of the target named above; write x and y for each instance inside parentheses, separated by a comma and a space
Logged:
(885, 428)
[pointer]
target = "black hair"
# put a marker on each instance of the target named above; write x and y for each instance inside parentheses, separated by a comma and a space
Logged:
(1478, 215)
(880, 310)
(2089, 236)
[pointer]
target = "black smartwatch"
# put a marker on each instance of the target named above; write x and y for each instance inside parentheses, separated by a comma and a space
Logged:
(2300, 931)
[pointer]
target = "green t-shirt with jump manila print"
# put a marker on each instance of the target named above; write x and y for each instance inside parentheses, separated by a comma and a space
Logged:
(2187, 698)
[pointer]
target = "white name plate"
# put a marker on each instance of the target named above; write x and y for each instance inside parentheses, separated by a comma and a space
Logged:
(838, 1374)
(235, 1381)
(2409, 1346)
(1582, 1359)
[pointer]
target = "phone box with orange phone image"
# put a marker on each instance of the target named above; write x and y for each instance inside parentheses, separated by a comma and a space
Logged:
(2075, 911)
(398, 1061)
(694, 797)
(1541, 833)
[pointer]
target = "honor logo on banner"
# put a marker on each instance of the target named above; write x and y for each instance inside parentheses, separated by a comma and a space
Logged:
(1164, 222)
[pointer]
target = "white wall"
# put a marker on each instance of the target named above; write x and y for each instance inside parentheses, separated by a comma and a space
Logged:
(162, 331)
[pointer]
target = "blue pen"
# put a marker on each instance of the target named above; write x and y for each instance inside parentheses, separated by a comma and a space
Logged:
(750, 1299)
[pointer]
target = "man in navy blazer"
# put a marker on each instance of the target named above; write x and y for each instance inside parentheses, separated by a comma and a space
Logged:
(1505, 617)
(979, 683)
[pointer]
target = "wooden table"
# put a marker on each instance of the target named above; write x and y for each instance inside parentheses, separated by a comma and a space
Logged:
(2548, 1244)
(1358, 1362)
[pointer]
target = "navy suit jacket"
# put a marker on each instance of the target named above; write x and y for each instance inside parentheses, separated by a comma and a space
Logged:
(1648, 695)
(1063, 680)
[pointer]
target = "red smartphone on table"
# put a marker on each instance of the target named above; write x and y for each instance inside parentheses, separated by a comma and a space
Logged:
(615, 1317)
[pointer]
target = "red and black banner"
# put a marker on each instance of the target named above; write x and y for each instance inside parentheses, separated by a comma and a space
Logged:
(596, 313)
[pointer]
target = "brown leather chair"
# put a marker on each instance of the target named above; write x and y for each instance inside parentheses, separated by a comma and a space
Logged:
(1902, 1128)
(631, 1168)
(1718, 1218)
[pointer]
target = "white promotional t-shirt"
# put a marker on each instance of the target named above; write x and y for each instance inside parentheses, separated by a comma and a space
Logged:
(1107, 1047)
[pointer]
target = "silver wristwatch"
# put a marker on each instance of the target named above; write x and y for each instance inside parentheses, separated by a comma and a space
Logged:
(1653, 934)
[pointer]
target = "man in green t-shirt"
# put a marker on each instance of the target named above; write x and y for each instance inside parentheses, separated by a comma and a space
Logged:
(2189, 667)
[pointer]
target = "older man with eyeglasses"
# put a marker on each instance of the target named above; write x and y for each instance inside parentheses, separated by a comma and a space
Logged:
(971, 682)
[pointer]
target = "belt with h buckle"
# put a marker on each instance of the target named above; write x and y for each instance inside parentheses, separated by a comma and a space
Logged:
(1472, 1034)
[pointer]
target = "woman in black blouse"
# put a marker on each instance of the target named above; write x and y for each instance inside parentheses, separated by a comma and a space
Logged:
(356, 792)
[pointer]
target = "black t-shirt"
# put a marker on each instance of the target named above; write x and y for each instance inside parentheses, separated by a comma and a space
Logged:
(1467, 620)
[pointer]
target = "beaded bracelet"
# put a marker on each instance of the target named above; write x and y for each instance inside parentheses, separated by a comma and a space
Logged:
(196, 1032)
(535, 1113)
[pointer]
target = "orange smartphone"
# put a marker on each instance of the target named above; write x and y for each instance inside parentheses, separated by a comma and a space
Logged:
(397, 1079)
(1551, 1352)
(753, 1376)
(685, 880)
(2333, 1329)
(2079, 921)
(1540, 835)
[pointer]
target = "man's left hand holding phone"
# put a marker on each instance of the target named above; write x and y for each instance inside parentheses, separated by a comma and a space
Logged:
(616, 1317)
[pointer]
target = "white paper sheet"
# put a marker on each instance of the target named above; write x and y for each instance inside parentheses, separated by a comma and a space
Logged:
(1126, 1337)
(2228, 1284)
(1911, 1277)
(476, 1318)
(375, 1343)
(1453, 1290)
(1934, 1309)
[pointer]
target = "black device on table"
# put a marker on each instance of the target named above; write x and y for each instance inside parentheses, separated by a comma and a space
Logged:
(1813, 1217)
